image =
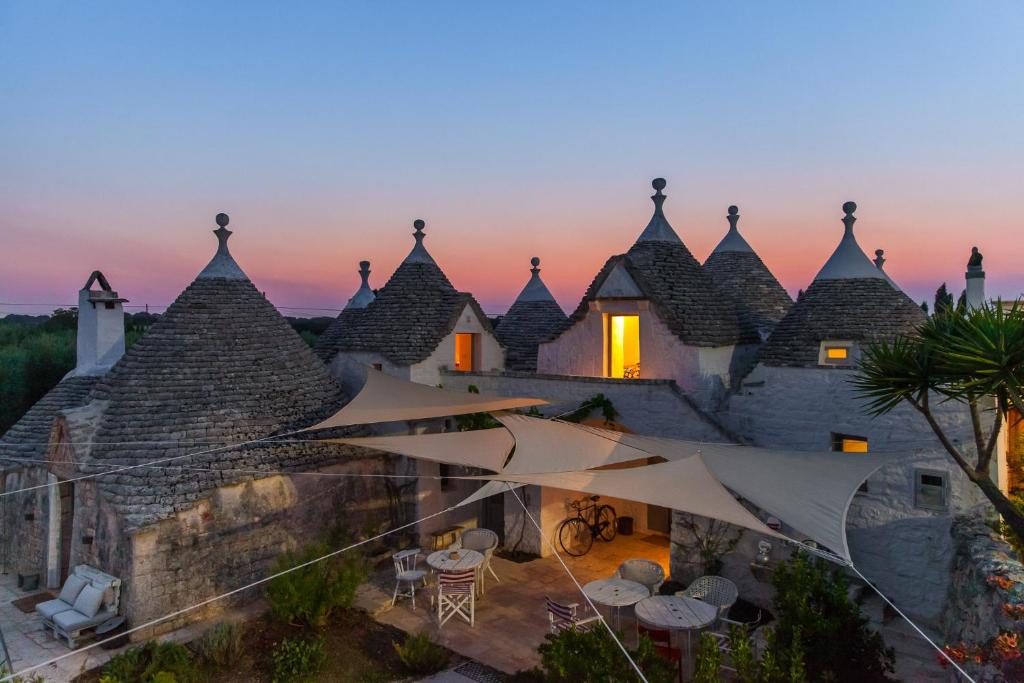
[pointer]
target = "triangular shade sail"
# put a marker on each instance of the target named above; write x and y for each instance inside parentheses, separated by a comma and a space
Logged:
(809, 491)
(485, 448)
(684, 485)
(554, 446)
(491, 488)
(389, 399)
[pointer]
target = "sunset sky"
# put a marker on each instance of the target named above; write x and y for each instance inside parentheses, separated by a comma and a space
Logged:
(513, 129)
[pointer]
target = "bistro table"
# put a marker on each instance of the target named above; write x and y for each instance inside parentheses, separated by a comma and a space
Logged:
(443, 561)
(615, 593)
(676, 613)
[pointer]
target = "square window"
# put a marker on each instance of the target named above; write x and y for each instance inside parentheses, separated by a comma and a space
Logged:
(931, 490)
(837, 353)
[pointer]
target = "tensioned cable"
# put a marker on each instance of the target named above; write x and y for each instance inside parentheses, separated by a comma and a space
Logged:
(152, 462)
(838, 560)
(203, 603)
(301, 473)
(585, 596)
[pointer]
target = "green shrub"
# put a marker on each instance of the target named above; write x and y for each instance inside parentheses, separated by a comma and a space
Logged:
(420, 655)
(575, 655)
(819, 629)
(220, 646)
(309, 595)
(296, 660)
(144, 664)
(709, 660)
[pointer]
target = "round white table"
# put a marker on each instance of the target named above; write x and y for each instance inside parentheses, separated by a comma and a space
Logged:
(674, 613)
(442, 561)
(615, 593)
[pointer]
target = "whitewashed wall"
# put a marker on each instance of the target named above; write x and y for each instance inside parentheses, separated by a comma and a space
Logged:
(491, 354)
(704, 373)
(907, 551)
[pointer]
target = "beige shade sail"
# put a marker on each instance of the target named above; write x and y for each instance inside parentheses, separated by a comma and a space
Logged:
(554, 446)
(684, 484)
(389, 399)
(490, 488)
(485, 448)
(808, 490)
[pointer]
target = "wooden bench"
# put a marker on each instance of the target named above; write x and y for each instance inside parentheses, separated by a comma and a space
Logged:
(442, 538)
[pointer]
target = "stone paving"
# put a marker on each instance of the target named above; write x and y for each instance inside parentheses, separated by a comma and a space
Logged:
(511, 620)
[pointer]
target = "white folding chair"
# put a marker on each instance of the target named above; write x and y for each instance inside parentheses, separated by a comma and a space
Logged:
(407, 573)
(456, 593)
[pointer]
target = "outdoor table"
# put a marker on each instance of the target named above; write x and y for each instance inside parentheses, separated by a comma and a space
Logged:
(615, 593)
(675, 613)
(442, 561)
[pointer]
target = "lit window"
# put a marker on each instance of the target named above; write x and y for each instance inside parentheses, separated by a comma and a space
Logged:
(464, 351)
(624, 346)
(839, 353)
(931, 489)
(844, 443)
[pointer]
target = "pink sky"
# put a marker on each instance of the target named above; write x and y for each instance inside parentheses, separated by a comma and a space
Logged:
(305, 254)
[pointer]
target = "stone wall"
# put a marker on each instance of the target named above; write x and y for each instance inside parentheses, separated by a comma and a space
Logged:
(904, 549)
(23, 518)
(986, 577)
(655, 407)
(233, 537)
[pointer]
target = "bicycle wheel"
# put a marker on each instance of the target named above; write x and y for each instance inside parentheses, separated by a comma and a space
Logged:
(575, 537)
(606, 522)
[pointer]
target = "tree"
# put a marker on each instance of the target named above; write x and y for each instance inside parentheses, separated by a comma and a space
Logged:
(943, 300)
(974, 357)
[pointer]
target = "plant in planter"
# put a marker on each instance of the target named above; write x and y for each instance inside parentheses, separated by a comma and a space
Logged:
(707, 540)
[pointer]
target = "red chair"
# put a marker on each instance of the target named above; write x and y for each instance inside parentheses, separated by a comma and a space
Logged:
(662, 641)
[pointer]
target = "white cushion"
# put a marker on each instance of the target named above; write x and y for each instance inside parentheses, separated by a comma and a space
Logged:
(73, 620)
(89, 601)
(72, 587)
(51, 607)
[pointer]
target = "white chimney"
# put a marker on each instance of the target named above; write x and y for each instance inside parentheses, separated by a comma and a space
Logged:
(975, 280)
(100, 327)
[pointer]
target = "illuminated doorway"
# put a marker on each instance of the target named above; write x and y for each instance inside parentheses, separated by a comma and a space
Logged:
(624, 346)
(465, 351)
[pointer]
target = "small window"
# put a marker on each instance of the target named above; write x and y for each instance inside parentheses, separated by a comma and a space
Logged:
(465, 351)
(379, 367)
(845, 443)
(446, 472)
(838, 353)
(931, 490)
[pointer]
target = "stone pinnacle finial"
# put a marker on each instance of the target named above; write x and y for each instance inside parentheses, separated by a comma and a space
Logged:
(535, 262)
(364, 272)
(879, 258)
(419, 224)
(733, 217)
(222, 231)
(659, 197)
(849, 219)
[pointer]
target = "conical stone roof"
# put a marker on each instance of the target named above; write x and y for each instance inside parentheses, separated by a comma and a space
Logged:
(27, 438)
(534, 318)
(410, 315)
(221, 366)
(737, 270)
(846, 302)
(327, 344)
(682, 294)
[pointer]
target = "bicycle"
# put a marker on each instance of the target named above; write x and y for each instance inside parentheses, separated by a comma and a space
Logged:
(592, 521)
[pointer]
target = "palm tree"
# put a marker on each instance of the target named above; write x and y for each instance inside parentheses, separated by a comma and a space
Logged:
(974, 357)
